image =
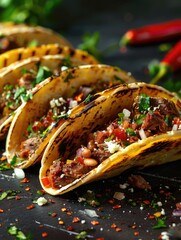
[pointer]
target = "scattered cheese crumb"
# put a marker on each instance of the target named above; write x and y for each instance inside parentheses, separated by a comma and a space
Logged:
(19, 173)
(41, 201)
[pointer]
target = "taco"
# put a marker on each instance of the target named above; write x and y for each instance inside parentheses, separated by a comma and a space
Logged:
(19, 54)
(51, 106)
(18, 79)
(134, 125)
(14, 36)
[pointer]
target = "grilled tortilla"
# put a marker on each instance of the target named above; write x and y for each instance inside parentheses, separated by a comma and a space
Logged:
(50, 107)
(18, 78)
(14, 36)
(134, 125)
(18, 54)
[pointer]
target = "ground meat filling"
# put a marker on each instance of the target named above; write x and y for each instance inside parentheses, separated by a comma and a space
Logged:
(149, 116)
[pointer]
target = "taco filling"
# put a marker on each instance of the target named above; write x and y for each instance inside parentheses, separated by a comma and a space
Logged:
(13, 96)
(59, 109)
(147, 117)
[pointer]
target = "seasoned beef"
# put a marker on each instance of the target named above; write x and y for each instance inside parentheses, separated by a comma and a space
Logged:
(29, 146)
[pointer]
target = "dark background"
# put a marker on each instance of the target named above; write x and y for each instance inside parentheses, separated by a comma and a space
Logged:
(112, 19)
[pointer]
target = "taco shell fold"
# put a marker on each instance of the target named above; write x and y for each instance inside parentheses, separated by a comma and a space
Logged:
(153, 150)
(56, 87)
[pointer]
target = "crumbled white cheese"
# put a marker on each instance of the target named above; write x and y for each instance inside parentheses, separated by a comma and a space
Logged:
(72, 104)
(57, 102)
(113, 146)
(19, 173)
(41, 201)
(165, 236)
(141, 208)
(163, 211)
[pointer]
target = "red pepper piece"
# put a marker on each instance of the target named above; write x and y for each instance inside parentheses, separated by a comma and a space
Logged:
(46, 182)
(152, 33)
(171, 61)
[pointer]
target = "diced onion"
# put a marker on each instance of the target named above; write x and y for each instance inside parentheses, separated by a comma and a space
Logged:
(142, 133)
(126, 113)
(19, 173)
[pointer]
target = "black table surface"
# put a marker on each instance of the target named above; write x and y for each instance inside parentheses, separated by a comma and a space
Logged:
(132, 217)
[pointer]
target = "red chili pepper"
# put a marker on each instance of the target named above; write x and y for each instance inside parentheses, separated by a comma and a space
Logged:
(152, 33)
(171, 61)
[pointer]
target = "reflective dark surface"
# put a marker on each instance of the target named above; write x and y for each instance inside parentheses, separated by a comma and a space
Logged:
(132, 217)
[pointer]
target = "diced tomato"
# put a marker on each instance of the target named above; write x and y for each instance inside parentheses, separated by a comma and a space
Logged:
(36, 126)
(120, 134)
(47, 120)
(177, 121)
(101, 136)
(46, 182)
(80, 159)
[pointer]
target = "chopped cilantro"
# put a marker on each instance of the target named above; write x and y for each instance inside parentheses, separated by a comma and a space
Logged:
(130, 132)
(13, 230)
(82, 235)
(13, 160)
(120, 118)
(42, 74)
(9, 194)
(88, 98)
(4, 166)
(160, 223)
(144, 103)
(139, 119)
(91, 199)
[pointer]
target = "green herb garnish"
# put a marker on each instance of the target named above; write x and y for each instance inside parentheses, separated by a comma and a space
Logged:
(88, 98)
(130, 132)
(120, 118)
(160, 223)
(13, 230)
(82, 235)
(42, 74)
(144, 103)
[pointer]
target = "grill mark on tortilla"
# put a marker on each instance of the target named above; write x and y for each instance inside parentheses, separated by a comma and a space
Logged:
(157, 147)
(60, 50)
(72, 52)
(19, 57)
(47, 51)
(5, 62)
(33, 53)
(89, 106)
